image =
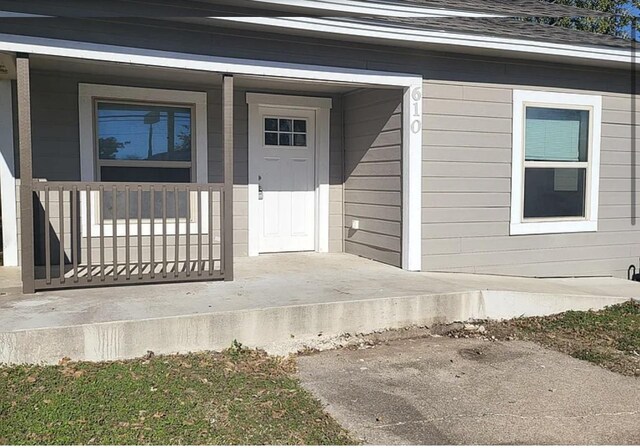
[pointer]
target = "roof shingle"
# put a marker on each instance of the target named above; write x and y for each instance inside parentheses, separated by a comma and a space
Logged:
(506, 27)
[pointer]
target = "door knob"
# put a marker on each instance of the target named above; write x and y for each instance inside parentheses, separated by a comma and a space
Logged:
(260, 192)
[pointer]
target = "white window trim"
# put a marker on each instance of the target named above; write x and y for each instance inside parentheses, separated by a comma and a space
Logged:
(87, 94)
(521, 226)
(322, 108)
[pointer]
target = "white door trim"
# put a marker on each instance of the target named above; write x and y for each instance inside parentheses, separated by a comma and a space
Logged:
(7, 177)
(322, 107)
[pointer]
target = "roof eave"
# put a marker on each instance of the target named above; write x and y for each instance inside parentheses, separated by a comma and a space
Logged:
(458, 42)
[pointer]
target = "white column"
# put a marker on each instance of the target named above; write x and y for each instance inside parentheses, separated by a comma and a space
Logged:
(8, 177)
(412, 177)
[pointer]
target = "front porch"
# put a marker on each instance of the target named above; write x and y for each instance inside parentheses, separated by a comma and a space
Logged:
(278, 302)
(106, 214)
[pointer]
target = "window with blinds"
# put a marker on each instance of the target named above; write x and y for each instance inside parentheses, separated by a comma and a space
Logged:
(556, 148)
(555, 167)
(556, 134)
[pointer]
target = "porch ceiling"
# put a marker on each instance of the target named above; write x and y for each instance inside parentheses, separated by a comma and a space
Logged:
(71, 65)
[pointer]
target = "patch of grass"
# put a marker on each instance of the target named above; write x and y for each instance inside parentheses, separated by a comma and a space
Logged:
(609, 338)
(236, 397)
(592, 356)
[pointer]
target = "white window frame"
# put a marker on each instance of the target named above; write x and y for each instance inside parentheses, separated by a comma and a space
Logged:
(589, 223)
(88, 96)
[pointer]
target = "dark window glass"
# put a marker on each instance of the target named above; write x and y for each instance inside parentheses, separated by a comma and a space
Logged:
(143, 174)
(285, 139)
(554, 192)
(143, 132)
(286, 125)
(271, 138)
(300, 140)
(300, 125)
(285, 132)
(270, 124)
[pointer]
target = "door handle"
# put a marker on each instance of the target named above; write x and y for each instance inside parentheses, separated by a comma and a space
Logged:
(260, 192)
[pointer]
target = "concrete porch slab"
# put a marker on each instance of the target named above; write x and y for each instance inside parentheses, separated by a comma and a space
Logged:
(277, 302)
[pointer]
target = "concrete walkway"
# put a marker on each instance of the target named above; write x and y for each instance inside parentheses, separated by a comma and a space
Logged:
(463, 391)
(276, 302)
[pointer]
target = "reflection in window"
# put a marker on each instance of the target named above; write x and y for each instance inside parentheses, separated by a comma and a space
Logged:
(144, 143)
(285, 132)
(143, 132)
(554, 192)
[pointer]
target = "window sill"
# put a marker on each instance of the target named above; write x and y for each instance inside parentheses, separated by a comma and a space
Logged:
(540, 228)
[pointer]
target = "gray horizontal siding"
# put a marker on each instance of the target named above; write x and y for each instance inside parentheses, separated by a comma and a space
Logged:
(467, 187)
(373, 173)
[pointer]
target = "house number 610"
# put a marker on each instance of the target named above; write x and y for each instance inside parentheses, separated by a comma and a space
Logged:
(416, 123)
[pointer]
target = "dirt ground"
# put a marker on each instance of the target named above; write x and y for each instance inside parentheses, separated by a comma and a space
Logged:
(609, 338)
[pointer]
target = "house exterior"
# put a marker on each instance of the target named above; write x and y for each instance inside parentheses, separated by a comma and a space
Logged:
(159, 142)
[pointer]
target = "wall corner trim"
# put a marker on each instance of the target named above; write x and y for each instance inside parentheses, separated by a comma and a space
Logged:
(412, 177)
(7, 177)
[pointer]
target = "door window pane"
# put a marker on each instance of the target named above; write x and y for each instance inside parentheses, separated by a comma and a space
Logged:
(271, 138)
(285, 125)
(285, 139)
(300, 126)
(271, 124)
(554, 192)
(300, 140)
(143, 132)
(556, 134)
(285, 132)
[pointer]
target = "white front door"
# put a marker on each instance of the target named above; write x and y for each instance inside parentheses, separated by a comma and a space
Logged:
(284, 154)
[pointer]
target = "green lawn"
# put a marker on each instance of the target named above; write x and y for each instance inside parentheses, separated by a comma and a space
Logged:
(609, 338)
(235, 397)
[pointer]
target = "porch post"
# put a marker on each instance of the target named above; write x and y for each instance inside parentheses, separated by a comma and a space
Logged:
(26, 173)
(227, 138)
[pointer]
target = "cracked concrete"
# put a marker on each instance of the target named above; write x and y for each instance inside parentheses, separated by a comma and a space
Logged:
(466, 391)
